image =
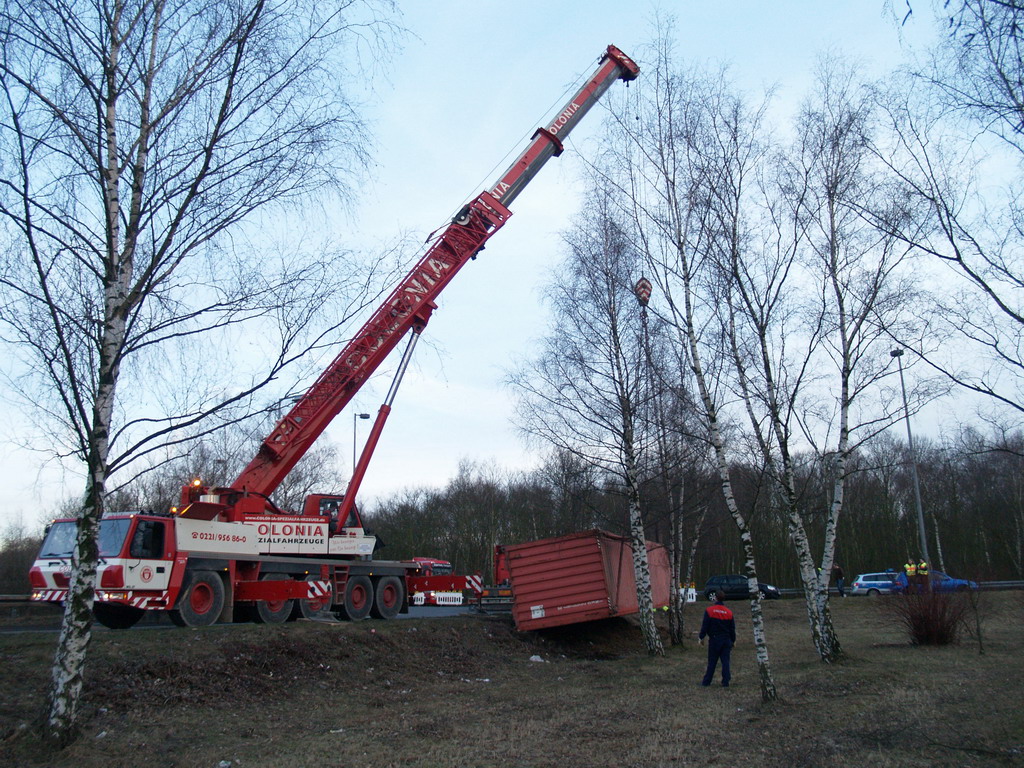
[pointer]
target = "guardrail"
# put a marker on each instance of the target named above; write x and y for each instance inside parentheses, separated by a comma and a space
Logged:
(984, 585)
(1001, 584)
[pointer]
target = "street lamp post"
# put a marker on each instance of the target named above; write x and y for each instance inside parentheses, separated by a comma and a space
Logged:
(356, 416)
(922, 535)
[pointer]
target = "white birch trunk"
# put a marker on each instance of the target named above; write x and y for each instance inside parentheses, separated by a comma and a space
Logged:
(641, 563)
(767, 683)
(60, 719)
(814, 580)
(76, 628)
(687, 578)
(675, 613)
(61, 716)
(642, 571)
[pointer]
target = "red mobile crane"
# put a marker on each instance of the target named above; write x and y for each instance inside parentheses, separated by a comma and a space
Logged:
(226, 552)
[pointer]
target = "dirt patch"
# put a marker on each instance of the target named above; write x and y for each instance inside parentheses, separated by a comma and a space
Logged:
(471, 691)
(603, 640)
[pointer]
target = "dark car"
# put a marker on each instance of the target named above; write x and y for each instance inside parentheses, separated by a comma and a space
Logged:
(734, 587)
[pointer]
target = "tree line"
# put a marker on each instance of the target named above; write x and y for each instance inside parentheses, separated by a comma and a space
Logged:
(973, 499)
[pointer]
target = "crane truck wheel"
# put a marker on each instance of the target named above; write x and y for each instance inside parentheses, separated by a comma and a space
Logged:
(116, 616)
(201, 603)
(312, 608)
(273, 611)
(358, 599)
(388, 596)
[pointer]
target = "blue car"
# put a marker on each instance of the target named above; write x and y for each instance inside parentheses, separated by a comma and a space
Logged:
(940, 582)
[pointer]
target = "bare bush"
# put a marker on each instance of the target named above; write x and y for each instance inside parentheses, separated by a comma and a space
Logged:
(931, 618)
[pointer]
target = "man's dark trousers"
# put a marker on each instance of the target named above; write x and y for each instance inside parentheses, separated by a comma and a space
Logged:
(719, 647)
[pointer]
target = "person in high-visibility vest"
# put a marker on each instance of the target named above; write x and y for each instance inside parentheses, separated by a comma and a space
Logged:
(923, 584)
(910, 571)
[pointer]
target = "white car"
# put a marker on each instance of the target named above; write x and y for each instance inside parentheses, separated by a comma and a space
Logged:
(875, 583)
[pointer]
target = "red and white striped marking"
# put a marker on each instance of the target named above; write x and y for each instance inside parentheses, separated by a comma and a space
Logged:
(136, 601)
(475, 583)
(50, 595)
(144, 602)
(318, 590)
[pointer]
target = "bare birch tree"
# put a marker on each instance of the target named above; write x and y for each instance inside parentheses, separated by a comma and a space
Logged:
(771, 336)
(137, 138)
(812, 299)
(583, 393)
(678, 461)
(659, 158)
(956, 143)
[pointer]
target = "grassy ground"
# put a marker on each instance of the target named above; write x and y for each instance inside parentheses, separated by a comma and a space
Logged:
(463, 692)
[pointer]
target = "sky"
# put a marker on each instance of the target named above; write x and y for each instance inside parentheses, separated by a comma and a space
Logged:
(471, 82)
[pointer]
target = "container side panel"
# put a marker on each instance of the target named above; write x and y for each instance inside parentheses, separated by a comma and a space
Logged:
(661, 574)
(558, 581)
(580, 577)
(619, 562)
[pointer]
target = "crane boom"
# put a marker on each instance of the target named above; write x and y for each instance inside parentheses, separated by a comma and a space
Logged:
(411, 303)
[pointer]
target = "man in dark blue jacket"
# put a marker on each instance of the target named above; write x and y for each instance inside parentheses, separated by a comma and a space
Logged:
(720, 629)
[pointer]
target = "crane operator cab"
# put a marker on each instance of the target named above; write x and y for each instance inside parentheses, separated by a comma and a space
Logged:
(330, 507)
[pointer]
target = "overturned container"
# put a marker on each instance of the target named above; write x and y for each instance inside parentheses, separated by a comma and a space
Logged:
(580, 577)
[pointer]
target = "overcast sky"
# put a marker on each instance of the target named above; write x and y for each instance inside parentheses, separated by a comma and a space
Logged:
(470, 84)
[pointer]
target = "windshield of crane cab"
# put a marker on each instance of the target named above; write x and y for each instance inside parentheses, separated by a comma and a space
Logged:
(60, 541)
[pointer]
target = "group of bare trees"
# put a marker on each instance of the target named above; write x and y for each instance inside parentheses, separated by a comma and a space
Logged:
(787, 263)
(973, 499)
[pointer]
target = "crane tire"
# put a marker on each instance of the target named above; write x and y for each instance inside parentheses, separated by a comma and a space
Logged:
(116, 616)
(388, 596)
(273, 611)
(311, 608)
(201, 603)
(358, 599)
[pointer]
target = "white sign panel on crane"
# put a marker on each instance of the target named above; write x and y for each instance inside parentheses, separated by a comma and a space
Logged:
(279, 534)
(220, 538)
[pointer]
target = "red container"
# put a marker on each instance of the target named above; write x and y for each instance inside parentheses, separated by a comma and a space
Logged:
(580, 577)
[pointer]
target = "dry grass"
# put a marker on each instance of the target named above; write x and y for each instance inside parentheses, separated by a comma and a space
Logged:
(452, 693)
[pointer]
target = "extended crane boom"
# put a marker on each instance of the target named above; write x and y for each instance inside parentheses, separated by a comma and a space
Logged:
(228, 553)
(411, 303)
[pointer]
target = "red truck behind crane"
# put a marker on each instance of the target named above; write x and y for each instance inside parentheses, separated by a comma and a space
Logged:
(228, 552)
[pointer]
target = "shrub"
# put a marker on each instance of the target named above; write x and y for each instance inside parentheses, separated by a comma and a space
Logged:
(931, 618)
